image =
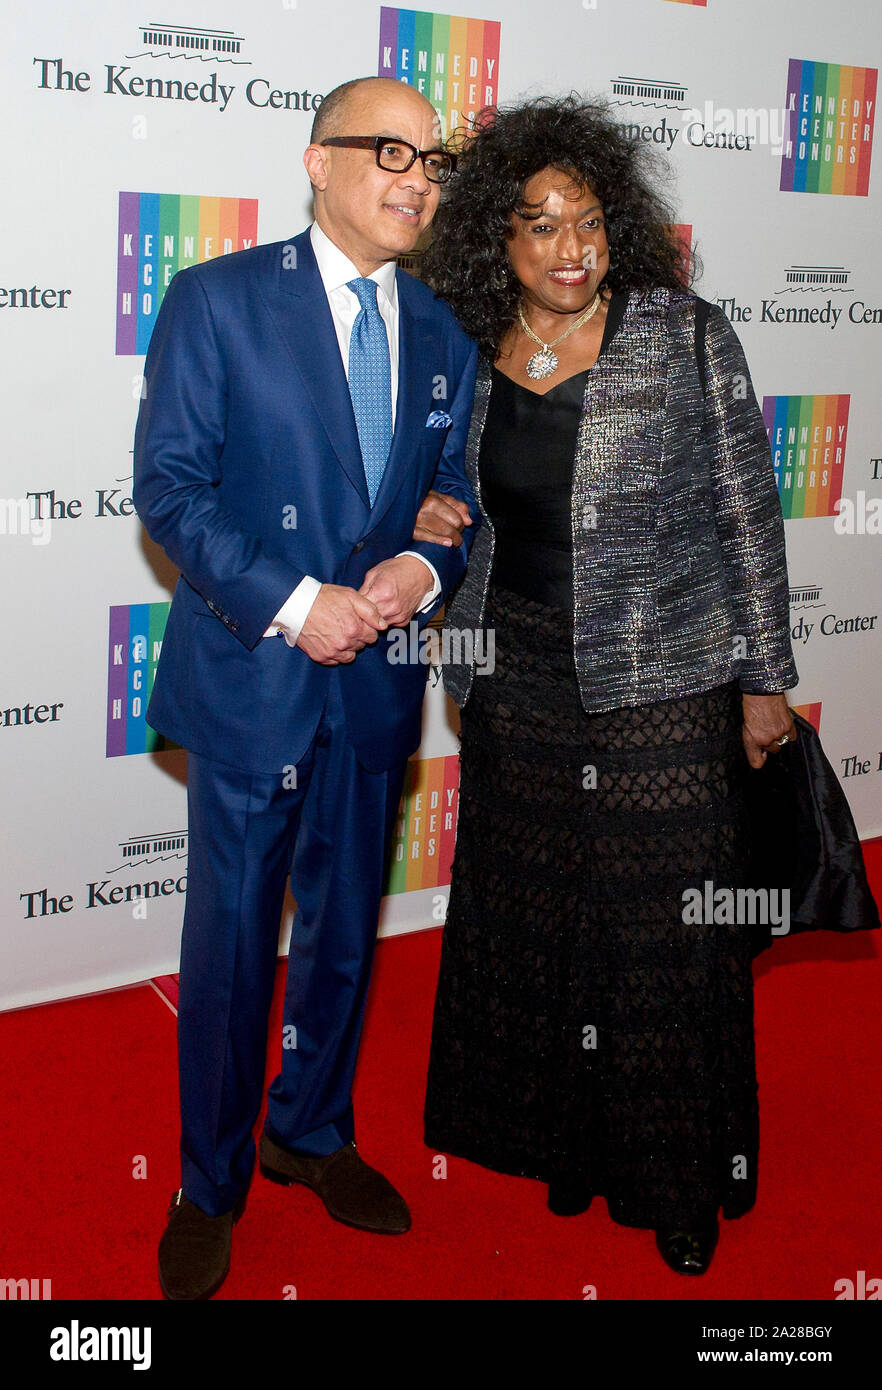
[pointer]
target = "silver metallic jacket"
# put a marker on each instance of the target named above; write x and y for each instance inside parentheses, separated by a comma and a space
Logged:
(679, 570)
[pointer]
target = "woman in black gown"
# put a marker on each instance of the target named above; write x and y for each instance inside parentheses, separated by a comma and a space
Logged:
(631, 565)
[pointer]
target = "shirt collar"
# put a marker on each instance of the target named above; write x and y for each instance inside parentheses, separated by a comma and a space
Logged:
(337, 270)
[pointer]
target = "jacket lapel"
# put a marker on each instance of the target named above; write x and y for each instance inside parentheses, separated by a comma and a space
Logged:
(480, 406)
(299, 307)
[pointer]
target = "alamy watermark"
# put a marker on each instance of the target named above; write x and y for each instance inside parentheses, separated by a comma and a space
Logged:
(17, 519)
(742, 906)
(721, 127)
(450, 647)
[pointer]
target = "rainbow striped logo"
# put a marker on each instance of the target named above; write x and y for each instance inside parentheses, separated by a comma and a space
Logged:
(682, 234)
(454, 62)
(831, 109)
(425, 831)
(811, 713)
(136, 632)
(160, 234)
(807, 435)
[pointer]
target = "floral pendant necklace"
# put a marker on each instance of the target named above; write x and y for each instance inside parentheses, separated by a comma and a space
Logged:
(544, 362)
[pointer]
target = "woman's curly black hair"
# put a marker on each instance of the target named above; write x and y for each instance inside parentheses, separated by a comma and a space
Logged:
(467, 262)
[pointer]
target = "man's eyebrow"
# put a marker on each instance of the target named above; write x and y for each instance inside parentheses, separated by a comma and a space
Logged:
(385, 135)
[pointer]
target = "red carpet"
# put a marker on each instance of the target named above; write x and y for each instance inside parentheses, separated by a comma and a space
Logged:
(89, 1094)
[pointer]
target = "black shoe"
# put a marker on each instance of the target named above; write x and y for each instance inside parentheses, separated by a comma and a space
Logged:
(194, 1252)
(569, 1196)
(352, 1191)
(688, 1252)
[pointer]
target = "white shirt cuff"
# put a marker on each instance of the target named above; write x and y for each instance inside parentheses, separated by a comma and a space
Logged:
(431, 594)
(289, 620)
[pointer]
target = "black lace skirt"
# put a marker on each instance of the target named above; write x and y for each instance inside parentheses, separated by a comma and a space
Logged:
(583, 1033)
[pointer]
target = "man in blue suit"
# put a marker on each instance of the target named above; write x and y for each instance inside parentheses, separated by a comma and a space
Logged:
(300, 400)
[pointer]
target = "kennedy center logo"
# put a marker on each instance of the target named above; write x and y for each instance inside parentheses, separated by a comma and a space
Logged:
(810, 712)
(807, 435)
(136, 633)
(159, 234)
(425, 831)
(831, 109)
(184, 41)
(454, 62)
(682, 234)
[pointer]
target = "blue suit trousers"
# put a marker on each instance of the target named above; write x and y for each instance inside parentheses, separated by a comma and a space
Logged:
(329, 827)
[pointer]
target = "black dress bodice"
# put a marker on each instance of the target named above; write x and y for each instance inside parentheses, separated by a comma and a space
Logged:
(526, 470)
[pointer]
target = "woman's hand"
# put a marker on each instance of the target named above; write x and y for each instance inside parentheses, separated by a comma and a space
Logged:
(441, 519)
(766, 719)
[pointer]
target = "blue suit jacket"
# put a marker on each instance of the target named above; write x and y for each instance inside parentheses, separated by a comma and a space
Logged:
(249, 475)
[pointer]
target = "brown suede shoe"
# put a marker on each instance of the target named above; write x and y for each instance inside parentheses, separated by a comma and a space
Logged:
(353, 1192)
(194, 1252)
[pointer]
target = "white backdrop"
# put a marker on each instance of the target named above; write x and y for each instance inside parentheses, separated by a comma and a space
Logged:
(95, 105)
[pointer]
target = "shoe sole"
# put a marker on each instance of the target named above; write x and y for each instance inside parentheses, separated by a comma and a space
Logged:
(285, 1180)
(199, 1297)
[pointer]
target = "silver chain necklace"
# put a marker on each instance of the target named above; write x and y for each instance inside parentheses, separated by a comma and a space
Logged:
(544, 362)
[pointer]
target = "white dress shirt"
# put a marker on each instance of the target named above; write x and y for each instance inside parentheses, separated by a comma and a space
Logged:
(336, 270)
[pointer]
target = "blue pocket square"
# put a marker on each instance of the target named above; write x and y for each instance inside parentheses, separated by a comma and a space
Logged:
(439, 420)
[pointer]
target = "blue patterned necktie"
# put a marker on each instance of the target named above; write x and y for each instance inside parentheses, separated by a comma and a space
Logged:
(370, 383)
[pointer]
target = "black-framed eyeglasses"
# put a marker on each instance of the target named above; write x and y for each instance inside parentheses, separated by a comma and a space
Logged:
(396, 156)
